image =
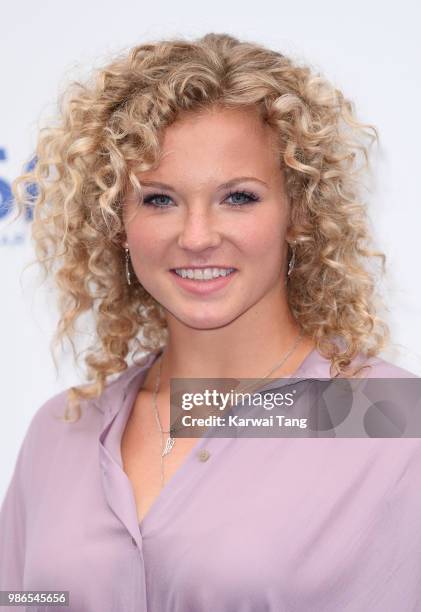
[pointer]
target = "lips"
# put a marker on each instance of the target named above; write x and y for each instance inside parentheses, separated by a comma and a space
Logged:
(205, 286)
(201, 267)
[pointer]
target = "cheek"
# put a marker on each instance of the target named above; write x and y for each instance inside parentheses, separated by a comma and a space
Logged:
(263, 240)
(145, 245)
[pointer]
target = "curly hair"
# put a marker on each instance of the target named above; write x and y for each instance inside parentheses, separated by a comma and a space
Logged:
(110, 128)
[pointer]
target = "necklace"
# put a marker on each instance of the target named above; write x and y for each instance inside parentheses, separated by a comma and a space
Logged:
(170, 440)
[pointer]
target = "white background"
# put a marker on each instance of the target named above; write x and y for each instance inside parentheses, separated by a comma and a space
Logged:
(371, 50)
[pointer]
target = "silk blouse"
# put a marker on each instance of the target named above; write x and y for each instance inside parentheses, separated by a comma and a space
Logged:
(250, 525)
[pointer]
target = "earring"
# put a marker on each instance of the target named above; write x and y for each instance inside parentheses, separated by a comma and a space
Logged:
(291, 261)
(129, 282)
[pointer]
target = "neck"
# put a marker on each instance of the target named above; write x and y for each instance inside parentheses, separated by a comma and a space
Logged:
(249, 347)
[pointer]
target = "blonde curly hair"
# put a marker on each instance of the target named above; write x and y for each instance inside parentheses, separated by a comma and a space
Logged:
(110, 128)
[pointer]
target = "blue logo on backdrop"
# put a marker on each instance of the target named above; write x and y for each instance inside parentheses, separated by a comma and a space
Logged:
(5, 192)
(9, 235)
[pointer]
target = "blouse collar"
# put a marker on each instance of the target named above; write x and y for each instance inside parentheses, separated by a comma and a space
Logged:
(130, 381)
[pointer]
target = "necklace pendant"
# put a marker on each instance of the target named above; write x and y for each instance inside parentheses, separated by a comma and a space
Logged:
(168, 445)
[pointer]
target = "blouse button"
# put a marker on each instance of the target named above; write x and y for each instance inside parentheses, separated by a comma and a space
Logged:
(203, 454)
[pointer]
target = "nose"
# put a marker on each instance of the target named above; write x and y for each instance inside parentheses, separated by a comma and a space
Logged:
(198, 231)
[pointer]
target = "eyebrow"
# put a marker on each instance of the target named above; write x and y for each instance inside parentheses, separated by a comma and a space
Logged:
(230, 183)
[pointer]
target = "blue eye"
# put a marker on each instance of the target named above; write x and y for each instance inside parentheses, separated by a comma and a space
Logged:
(155, 198)
(149, 199)
(251, 197)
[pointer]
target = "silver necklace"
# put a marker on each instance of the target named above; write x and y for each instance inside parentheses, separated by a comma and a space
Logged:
(170, 440)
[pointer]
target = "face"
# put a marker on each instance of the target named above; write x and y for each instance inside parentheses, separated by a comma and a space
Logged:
(216, 200)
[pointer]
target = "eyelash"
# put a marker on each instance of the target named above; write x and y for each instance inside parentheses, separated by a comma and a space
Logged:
(249, 194)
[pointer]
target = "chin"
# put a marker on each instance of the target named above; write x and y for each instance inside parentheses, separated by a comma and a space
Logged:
(203, 320)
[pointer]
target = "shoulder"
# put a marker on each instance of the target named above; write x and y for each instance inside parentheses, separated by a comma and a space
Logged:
(46, 417)
(47, 424)
(377, 367)
(318, 366)
(51, 411)
(48, 434)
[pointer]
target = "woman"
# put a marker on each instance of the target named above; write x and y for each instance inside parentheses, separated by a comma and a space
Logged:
(184, 161)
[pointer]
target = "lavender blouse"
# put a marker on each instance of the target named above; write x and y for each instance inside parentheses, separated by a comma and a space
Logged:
(263, 525)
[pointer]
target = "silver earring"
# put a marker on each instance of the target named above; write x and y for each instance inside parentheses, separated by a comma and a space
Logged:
(291, 261)
(129, 282)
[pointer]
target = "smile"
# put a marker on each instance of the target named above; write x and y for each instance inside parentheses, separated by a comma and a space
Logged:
(203, 273)
(203, 281)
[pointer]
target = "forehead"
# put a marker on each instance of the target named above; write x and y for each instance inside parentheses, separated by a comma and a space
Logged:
(216, 124)
(218, 140)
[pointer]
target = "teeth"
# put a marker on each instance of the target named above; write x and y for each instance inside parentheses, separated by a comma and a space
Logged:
(203, 273)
